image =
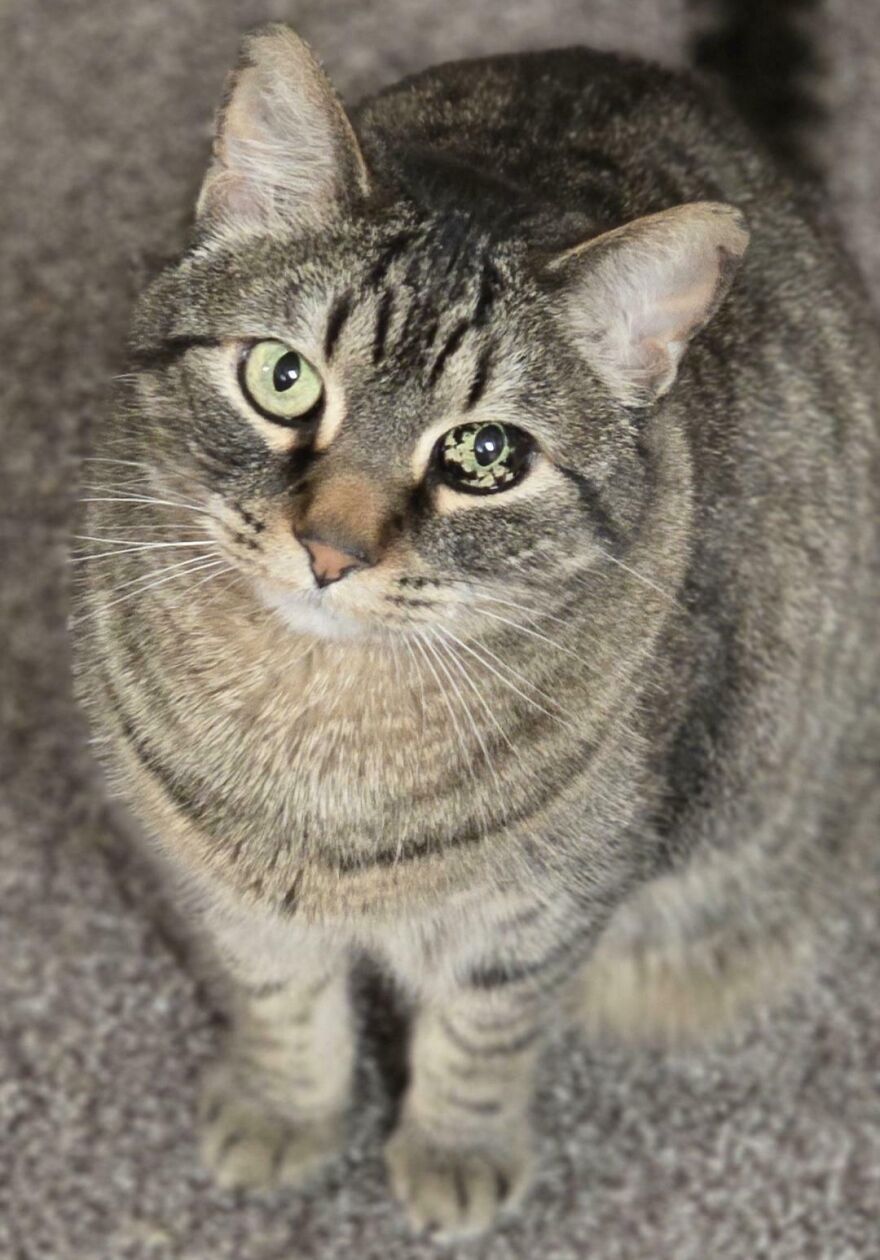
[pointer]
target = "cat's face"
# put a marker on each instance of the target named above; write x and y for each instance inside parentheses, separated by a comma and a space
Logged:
(386, 422)
(389, 414)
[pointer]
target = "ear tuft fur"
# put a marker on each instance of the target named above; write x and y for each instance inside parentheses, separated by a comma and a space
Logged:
(285, 154)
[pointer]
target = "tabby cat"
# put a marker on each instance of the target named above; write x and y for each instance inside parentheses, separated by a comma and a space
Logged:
(481, 582)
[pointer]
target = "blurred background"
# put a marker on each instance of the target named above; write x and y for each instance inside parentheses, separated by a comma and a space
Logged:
(768, 1146)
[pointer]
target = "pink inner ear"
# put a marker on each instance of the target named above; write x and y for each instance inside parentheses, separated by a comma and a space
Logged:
(636, 295)
(674, 314)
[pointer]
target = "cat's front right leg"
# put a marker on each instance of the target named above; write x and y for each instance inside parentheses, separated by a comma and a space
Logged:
(273, 1106)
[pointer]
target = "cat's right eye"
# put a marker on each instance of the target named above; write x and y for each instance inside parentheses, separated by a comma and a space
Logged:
(279, 382)
(484, 458)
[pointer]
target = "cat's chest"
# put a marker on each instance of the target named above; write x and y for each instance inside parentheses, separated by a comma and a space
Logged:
(316, 735)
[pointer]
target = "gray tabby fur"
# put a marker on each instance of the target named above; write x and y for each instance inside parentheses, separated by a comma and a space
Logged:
(595, 739)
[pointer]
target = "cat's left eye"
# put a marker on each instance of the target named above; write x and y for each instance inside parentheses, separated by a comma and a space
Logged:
(484, 458)
(279, 382)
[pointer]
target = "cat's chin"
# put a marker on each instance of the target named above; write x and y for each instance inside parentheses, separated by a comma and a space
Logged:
(303, 614)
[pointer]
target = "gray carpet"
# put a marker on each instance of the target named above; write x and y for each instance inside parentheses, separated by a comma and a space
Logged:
(766, 1147)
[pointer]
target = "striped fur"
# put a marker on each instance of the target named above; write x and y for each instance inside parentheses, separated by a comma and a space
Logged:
(594, 739)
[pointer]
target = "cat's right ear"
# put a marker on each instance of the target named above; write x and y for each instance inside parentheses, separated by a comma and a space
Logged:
(634, 297)
(285, 154)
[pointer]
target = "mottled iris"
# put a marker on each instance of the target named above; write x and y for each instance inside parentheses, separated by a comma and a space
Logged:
(484, 458)
(280, 382)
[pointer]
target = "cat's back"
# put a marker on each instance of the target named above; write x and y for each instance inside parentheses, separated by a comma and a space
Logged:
(590, 132)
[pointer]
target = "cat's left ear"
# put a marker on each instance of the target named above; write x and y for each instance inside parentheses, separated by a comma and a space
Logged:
(632, 299)
(285, 154)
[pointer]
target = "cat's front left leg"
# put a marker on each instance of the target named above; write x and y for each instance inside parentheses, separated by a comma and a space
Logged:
(462, 1149)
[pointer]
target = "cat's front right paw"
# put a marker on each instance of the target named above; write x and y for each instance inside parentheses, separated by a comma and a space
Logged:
(455, 1192)
(247, 1145)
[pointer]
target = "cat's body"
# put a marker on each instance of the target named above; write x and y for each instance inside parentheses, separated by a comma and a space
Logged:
(626, 697)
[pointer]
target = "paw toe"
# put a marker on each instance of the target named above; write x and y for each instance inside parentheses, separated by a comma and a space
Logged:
(453, 1192)
(246, 1146)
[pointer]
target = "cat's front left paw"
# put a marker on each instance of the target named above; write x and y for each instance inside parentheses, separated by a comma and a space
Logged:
(455, 1191)
(246, 1145)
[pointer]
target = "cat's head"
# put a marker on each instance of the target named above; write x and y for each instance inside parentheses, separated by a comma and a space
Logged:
(393, 409)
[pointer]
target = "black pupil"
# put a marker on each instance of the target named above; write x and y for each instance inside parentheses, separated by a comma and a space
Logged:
(287, 371)
(488, 444)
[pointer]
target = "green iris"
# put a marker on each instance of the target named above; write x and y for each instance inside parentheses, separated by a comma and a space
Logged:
(279, 381)
(484, 458)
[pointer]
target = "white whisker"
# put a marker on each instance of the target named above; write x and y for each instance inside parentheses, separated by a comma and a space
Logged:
(465, 674)
(536, 635)
(420, 644)
(229, 568)
(130, 550)
(128, 542)
(419, 677)
(194, 564)
(537, 613)
(154, 573)
(103, 459)
(565, 720)
(221, 590)
(640, 577)
(429, 645)
(166, 527)
(125, 484)
(146, 499)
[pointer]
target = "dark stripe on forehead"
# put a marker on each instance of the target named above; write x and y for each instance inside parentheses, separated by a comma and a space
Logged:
(387, 258)
(481, 379)
(453, 254)
(453, 342)
(339, 313)
(383, 319)
(429, 335)
(490, 286)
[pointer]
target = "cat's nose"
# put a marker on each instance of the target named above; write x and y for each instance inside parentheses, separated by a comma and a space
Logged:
(329, 563)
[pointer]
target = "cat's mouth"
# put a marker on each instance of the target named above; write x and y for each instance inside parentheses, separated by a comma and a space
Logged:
(307, 595)
(309, 612)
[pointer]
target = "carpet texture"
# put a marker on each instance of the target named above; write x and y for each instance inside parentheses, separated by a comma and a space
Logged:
(767, 1147)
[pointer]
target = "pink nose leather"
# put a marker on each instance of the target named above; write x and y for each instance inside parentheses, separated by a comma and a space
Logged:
(329, 564)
